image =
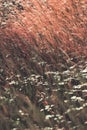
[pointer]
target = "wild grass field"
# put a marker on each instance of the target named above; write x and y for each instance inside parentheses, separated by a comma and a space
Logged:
(43, 65)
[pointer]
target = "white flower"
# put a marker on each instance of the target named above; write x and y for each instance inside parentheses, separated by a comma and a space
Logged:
(47, 117)
(12, 82)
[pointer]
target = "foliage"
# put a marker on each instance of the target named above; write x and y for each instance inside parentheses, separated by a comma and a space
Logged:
(43, 65)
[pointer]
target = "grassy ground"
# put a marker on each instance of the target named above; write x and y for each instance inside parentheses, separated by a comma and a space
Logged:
(39, 93)
(43, 65)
